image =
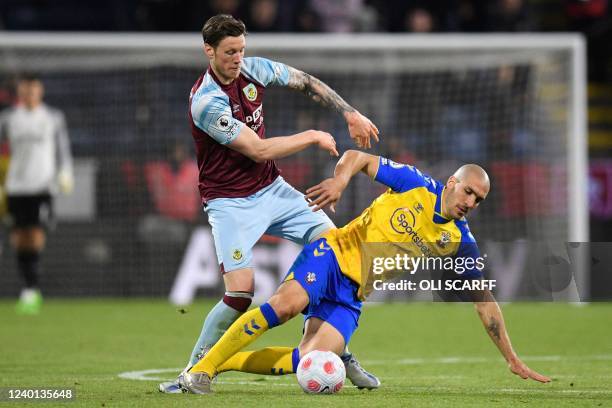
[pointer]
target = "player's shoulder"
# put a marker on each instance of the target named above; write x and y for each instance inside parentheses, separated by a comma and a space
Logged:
(464, 228)
(406, 177)
(208, 94)
(55, 113)
(264, 71)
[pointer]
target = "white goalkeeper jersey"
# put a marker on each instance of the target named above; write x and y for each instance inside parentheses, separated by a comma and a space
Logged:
(39, 148)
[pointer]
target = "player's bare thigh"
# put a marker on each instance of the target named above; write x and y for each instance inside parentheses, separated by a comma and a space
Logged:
(30, 238)
(289, 300)
(320, 335)
(240, 280)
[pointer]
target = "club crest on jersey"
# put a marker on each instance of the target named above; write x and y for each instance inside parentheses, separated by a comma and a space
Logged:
(237, 255)
(250, 91)
(445, 237)
(311, 277)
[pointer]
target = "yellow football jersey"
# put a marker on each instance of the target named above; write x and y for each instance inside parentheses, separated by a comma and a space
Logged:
(404, 219)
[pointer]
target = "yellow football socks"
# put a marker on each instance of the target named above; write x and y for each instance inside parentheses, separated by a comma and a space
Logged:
(245, 330)
(270, 360)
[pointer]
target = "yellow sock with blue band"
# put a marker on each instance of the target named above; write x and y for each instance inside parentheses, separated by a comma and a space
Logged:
(245, 330)
(267, 361)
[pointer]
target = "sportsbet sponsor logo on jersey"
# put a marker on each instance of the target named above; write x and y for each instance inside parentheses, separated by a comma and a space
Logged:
(403, 221)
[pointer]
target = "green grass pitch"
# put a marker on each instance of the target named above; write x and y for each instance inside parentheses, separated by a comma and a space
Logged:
(427, 355)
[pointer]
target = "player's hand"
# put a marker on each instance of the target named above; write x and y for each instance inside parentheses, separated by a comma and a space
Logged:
(325, 141)
(327, 192)
(65, 181)
(361, 129)
(519, 368)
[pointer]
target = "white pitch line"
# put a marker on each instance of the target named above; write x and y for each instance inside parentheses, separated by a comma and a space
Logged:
(151, 374)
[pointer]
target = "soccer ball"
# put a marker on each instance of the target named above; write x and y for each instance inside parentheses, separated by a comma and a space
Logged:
(321, 372)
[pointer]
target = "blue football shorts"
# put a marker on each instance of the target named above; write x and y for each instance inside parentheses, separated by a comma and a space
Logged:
(332, 295)
(278, 209)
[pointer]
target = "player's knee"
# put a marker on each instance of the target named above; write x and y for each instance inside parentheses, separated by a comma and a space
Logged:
(284, 306)
(240, 280)
(239, 301)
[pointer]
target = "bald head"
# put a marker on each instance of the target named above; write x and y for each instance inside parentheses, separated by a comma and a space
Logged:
(465, 190)
(473, 172)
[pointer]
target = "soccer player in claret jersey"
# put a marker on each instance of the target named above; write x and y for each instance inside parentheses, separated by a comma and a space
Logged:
(329, 282)
(40, 162)
(241, 187)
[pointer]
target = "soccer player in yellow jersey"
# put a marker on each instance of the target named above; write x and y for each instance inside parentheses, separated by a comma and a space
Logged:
(328, 280)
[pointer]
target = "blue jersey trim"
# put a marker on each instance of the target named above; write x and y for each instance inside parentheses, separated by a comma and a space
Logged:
(468, 248)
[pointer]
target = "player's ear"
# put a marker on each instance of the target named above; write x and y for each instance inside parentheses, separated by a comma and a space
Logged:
(452, 180)
(209, 51)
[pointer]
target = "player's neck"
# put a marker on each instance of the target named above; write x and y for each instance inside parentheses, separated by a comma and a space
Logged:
(31, 106)
(443, 212)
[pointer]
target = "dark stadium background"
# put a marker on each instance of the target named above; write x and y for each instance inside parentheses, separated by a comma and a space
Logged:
(130, 141)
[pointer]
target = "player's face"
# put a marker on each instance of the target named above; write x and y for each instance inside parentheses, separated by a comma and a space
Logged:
(30, 93)
(226, 58)
(462, 196)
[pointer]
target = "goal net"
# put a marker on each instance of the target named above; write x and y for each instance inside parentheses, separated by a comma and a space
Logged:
(514, 104)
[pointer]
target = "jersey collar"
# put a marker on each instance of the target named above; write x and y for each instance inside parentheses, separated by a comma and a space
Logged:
(438, 218)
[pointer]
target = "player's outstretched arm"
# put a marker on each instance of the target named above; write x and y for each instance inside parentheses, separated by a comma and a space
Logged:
(491, 316)
(360, 127)
(260, 150)
(329, 191)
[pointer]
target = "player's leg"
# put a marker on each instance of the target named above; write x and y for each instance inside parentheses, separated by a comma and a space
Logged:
(28, 239)
(318, 335)
(295, 221)
(239, 287)
(237, 224)
(286, 303)
(299, 288)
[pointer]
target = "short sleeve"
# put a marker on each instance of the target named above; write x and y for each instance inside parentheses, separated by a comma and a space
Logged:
(266, 72)
(213, 115)
(401, 177)
(468, 262)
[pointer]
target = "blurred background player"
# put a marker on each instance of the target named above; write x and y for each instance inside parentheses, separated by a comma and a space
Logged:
(40, 162)
(327, 281)
(241, 188)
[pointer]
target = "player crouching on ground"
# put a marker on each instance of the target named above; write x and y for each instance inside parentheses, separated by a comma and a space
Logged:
(326, 280)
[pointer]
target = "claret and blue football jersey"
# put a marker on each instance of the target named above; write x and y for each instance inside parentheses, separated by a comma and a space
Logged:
(218, 113)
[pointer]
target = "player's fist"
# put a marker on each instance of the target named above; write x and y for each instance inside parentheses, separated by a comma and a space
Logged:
(65, 180)
(361, 129)
(325, 141)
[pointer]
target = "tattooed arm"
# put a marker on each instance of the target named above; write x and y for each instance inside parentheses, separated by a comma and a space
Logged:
(491, 316)
(360, 127)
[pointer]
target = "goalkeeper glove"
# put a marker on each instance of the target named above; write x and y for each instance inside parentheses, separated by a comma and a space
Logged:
(65, 181)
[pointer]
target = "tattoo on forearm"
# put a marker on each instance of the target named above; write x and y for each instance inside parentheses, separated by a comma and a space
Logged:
(317, 90)
(493, 328)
